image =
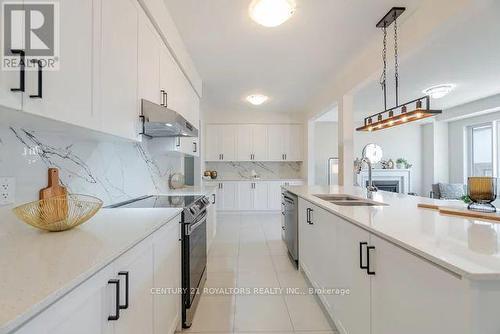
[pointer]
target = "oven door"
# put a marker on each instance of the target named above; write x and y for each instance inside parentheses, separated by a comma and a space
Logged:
(194, 265)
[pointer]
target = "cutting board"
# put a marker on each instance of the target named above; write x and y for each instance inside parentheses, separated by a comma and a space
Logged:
(57, 210)
(463, 212)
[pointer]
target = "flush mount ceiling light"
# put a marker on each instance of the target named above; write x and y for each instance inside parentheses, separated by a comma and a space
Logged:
(399, 114)
(271, 13)
(439, 91)
(257, 99)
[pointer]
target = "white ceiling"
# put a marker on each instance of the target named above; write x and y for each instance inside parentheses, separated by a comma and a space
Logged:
(237, 57)
(465, 52)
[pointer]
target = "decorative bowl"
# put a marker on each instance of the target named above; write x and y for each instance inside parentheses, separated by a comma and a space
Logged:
(482, 190)
(59, 213)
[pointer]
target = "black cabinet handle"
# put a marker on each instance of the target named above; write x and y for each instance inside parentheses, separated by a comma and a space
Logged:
(178, 143)
(222, 155)
(125, 273)
(116, 316)
(361, 266)
(368, 249)
(309, 216)
(40, 85)
(195, 147)
(213, 198)
(22, 65)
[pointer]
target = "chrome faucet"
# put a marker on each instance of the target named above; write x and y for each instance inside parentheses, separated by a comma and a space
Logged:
(370, 187)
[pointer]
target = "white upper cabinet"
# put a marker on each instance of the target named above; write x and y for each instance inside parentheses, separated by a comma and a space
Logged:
(65, 93)
(294, 142)
(220, 142)
(251, 142)
(118, 86)
(255, 142)
(148, 61)
(277, 136)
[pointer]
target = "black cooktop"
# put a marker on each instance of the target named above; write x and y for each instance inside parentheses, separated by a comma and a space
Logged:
(158, 202)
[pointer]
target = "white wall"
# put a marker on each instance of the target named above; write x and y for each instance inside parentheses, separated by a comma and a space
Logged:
(326, 146)
(457, 144)
(398, 142)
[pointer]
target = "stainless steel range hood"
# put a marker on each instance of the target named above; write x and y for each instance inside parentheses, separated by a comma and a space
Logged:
(160, 121)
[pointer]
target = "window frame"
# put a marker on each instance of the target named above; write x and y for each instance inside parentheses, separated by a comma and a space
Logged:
(495, 137)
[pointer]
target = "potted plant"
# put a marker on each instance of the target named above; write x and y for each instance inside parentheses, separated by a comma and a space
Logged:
(401, 163)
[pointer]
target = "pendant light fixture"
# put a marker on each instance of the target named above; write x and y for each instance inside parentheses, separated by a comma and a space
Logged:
(399, 114)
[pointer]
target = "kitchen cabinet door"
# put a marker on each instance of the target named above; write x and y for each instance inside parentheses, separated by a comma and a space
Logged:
(274, 195)
(276, 142)
(167, 77)
(260, 195)
(138, 263)
(149, 61)
(294, 142)
(227, 142)
(84, 310)
(352, 311)
(245, 196)
(167, 274)
(212, 152)
(118, 50)
(219, 197)
(411, 295)
(229, 196)
(259, 142)
(244, 142)
(67, 91)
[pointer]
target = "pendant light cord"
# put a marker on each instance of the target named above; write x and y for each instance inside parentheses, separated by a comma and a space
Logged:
(383, 78)
(396, 65)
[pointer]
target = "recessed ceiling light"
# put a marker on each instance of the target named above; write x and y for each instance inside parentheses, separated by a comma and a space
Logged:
(271, 13)
(439, 91)
(257, 99)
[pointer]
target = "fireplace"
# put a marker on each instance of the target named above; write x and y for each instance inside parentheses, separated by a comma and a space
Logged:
(392, 186)
(394, 180)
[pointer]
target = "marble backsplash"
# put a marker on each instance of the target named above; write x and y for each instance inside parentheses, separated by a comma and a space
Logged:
(111, 170)
(265, 170)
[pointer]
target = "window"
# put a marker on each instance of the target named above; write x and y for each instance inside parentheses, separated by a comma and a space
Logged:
(481, 150)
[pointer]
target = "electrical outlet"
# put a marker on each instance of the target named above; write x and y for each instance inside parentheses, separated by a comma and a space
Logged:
(7, 190)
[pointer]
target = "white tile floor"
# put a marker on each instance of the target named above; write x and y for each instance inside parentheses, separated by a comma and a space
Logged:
(248, 253)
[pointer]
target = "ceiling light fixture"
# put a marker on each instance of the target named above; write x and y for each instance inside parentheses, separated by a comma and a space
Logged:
(271, 13)
(404, 115)
(439, 91)
(257, 99)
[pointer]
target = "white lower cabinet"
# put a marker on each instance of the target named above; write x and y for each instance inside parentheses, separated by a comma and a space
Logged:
(259, 195)
(391, 290)
(167, 274)
(425, 298)
(92, 307)
(82, 311)
(136, 266)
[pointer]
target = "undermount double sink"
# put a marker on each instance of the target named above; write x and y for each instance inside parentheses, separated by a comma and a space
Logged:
(348, 200)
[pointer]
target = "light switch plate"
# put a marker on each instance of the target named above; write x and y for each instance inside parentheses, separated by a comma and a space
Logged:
(7, 190)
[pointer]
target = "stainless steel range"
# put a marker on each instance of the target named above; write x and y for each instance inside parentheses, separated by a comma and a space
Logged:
(194, 244)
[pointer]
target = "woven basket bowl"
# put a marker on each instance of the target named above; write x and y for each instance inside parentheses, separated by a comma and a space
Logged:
(59, 213)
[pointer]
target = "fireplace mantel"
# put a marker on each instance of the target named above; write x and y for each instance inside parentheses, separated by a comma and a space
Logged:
(403, 176)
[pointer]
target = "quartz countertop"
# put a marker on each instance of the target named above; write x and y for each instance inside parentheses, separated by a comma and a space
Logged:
(466, 247)
(38, 268)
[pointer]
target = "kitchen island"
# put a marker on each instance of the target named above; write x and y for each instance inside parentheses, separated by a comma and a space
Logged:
(408, 270)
